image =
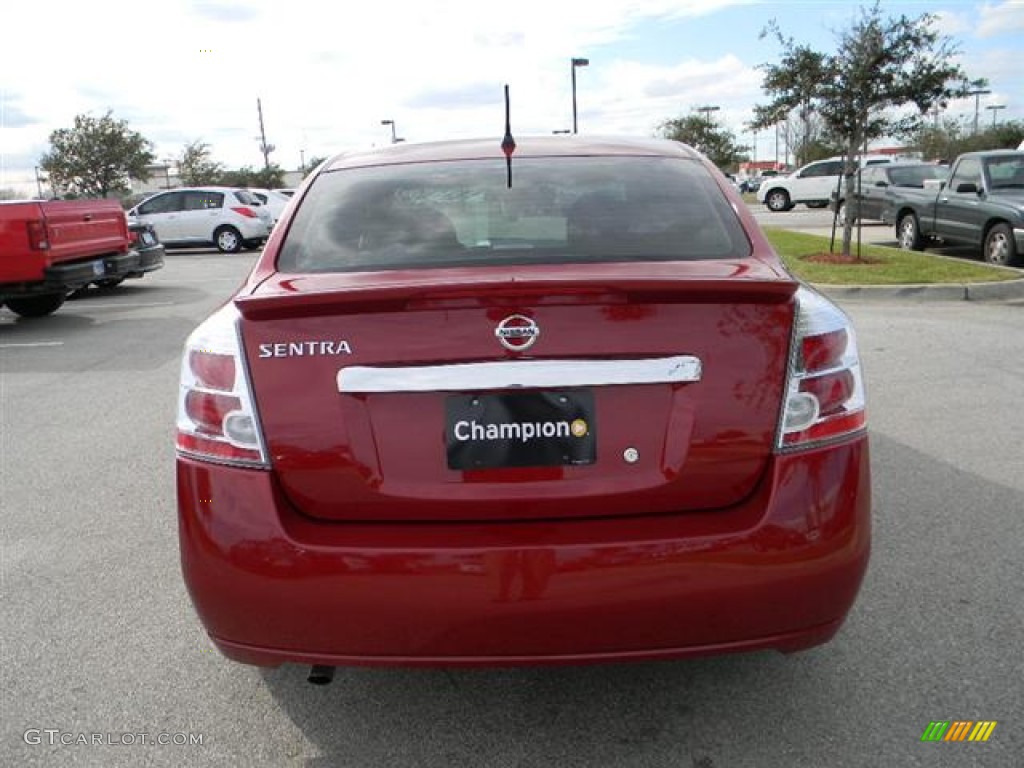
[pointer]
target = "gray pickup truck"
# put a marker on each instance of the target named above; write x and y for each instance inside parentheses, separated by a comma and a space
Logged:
(981, 205)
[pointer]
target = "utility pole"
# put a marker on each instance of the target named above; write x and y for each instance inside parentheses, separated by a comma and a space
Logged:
(265, 148)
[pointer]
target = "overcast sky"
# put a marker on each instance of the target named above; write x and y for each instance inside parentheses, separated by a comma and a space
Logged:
(328, 73)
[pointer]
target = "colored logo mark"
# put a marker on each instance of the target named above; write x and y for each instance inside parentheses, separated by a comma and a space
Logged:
(958, 730)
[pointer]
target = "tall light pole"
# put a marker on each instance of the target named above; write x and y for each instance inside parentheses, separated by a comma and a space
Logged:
(707, 111)
(977, 93)
(995, 107)
(576, 63)
(394, 135)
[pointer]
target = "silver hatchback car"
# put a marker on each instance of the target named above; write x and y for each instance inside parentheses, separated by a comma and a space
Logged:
(228, 218)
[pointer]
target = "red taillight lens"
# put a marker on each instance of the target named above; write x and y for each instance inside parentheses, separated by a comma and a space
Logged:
(825, 393)
(216, 415)
(823, 351)
(246, 211)
(38, 238)
(212, 370)
(207, 410)
(831, 389)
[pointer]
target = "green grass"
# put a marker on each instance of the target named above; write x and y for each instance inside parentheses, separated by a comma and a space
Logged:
(894, 267)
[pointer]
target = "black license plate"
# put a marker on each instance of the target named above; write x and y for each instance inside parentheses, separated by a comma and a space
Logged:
(521, 429)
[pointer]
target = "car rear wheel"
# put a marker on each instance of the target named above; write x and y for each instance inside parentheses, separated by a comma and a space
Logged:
(777, 200)
(36, 306)
(908, 233)
(228, 240)
(1000, 248)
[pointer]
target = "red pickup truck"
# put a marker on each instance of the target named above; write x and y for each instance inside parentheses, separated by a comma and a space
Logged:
(50, 248)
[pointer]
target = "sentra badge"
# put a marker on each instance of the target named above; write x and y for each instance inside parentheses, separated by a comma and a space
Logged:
(517, 332)
(310, 348)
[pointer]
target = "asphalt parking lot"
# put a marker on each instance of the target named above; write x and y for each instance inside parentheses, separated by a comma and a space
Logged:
(99, 637)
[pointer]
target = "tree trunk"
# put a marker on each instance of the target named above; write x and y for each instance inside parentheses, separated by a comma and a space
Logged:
(850, 166)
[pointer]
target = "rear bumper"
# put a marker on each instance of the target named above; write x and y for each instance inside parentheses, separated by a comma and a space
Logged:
(150, 259)
(779, 571)
(79, 273)
(64, 277)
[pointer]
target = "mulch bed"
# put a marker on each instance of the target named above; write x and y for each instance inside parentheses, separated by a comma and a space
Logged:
(824, 257)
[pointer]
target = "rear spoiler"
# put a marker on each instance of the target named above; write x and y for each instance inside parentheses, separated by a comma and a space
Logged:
(282, 296)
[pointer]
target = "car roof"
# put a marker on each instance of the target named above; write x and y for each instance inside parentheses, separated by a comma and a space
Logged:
(993, 153)
(527, 146)
(198, 189)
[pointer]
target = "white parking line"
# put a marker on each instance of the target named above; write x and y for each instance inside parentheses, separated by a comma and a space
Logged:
(34, 344)
(89, 305)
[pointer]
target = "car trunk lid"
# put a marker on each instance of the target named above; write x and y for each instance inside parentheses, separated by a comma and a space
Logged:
(415, 396)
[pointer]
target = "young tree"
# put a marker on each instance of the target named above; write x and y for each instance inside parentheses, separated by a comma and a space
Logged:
(195, 168)
(719, 144)
(313, 162)
(955, 136)
(881, 64)
(96, 157)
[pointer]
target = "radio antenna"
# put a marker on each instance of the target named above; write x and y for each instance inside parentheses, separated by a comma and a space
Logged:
(508, 144)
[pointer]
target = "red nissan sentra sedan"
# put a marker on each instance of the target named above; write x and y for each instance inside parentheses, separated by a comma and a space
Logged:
(585, 417)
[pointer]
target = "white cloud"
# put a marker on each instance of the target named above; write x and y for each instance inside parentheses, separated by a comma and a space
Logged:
(327, 74)
(1000, 19)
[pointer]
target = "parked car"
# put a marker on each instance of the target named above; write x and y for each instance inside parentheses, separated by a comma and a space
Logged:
(982, 206)
(573, 411)
(229, 218)
(50, 248)
(813, 184)
(272, 199)
(873, 185)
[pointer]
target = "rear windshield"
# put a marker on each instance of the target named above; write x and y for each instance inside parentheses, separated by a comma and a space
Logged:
(559, 210)
(916, 175)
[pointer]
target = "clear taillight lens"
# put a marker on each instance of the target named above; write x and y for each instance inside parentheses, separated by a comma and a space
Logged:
(217, 419)
(825, 389)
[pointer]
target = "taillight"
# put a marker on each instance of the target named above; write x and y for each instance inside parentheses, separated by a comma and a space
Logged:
(246, 211)
(217, 418)
(825, 389)
(38, 238)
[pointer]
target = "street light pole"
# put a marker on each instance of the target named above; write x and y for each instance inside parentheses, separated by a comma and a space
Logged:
(394, 134)
(995, 107)
(574, 62)
(707, 111)
(977, 93)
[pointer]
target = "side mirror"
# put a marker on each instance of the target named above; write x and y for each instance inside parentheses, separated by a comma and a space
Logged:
(967, 187)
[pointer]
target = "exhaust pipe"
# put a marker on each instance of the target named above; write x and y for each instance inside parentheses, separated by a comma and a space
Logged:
(320, 675)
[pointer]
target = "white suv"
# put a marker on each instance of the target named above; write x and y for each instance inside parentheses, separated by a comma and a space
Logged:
(813, 185)
(228, 218)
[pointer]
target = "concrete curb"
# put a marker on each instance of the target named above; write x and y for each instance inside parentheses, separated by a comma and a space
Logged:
(1002, 291)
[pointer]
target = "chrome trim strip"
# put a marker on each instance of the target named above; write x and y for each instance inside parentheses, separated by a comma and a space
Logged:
(512, 374)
